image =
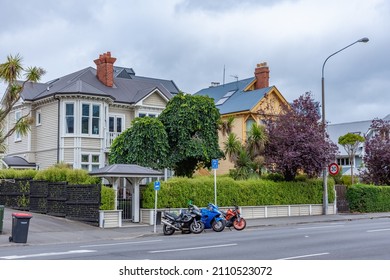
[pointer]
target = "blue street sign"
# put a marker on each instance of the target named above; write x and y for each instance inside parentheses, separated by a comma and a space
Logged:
(157, 185)
(214, 164)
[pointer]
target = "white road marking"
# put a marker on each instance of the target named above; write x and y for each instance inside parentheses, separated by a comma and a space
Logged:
(376, 230)
(193, 248)
(321, 227)
(304, 256)
(121, 243)
(47, 254)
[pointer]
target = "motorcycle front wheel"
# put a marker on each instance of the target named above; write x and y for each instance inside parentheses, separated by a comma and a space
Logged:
(219, 225)
(196, 227)
(239, 225)
(168, 230)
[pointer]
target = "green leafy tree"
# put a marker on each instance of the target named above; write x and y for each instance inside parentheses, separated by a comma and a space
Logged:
(145, 143)
(191, 122)
(351, 142)
(11, 72)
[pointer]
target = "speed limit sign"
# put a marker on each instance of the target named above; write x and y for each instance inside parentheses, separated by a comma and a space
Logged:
(333, 169)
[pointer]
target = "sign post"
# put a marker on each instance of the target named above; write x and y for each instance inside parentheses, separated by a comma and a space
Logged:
(157, 186)
(214, 166)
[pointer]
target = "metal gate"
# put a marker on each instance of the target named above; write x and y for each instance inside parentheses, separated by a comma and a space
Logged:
(342, 203)
(124, 204)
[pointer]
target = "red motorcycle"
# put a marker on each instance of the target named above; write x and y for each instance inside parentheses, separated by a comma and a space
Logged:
(233, 218)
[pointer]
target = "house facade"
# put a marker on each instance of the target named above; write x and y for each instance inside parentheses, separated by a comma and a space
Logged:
(247, 101)
(77, 116)
(342, 158)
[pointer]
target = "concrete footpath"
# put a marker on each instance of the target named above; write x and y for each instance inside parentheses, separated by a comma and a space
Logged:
(45, 229)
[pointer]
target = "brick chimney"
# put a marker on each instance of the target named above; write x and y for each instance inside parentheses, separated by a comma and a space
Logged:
(262, 75)
(105, 69)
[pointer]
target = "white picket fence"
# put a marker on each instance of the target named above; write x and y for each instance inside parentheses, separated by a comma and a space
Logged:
(256, 212)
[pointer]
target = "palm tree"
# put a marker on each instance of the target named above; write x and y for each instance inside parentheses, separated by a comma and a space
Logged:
(232, 147)
(256, 139)
(10, 72)
(255, 144)
(226, 125)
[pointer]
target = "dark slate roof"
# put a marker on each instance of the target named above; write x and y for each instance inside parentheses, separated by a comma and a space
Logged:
(19, 162)
(126, 170)
(239, 100)
(127, 88)
(129, 73)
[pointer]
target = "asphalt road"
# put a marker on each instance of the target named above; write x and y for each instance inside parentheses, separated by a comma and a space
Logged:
(366, 239)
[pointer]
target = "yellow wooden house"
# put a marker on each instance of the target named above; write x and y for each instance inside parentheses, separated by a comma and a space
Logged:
(244, 100)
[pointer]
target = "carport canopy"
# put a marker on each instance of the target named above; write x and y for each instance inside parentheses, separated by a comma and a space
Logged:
(134, 174)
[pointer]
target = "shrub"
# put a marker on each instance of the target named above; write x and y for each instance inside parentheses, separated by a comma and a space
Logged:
(107, 198)
(63, 173)
(17, 174)
(52, 174)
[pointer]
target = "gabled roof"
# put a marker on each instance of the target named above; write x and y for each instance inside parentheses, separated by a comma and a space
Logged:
(232, 97)
(128, 88)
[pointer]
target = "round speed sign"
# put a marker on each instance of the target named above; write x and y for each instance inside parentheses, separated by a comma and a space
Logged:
(333, 169)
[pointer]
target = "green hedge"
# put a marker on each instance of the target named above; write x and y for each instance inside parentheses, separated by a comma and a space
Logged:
(368, 198)
(65, 174)
(176, 192)
(107, 198)
(52, 174)
(17, 174)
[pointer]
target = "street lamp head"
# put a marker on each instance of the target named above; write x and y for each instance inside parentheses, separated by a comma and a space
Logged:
(363, 40)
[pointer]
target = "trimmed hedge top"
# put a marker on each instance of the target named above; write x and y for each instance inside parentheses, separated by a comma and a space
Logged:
(176, 192)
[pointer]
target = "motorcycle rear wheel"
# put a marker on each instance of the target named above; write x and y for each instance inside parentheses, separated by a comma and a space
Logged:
(219, 225)
(196, 227)
(168, 230)
(239, 225)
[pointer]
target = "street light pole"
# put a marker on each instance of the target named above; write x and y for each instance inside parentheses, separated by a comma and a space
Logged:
(324, 172)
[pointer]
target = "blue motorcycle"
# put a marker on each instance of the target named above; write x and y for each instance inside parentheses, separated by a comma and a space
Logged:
(213, 218)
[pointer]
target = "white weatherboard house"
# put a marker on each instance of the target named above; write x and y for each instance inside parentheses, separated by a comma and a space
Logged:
(77, 116)
(359, 127)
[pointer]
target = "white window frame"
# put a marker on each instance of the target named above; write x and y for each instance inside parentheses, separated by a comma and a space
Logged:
(90, 164)
(18, 136)
(66, 116)
(344, 161)
(116, 117)
(147, 114)
(90, 119)
(38, 118)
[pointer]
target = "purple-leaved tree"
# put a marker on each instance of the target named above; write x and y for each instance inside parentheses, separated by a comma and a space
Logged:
(297, 141)
(377, 154)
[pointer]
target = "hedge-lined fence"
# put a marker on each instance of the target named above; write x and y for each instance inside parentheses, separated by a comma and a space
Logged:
(176, 192)
(368, 198)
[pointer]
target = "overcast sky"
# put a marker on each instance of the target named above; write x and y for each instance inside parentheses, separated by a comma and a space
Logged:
(191, 41)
